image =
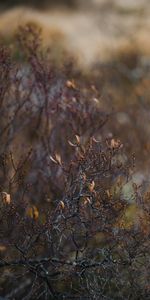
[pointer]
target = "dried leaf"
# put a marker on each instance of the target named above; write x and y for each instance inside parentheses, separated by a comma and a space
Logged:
(62, 205)
(84, 177)
(33, 212)
(6, 198)
(91, 186)
(77, 139)
(71, 144)
(115, 144)
(94, 140)
(96, 100)
(80, 155)
(70, 84)
(2, 248)
(58, 159)
(52, 159)
(93, 88)
(87, 201)
(108, 193)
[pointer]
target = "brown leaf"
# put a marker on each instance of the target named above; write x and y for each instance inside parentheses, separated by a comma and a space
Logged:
(71, 144)
(33, 212)
(6, 198)
(52, 159)
(2, 248)
(58, 158)
(108, 193)
(115, 144)
(87, 201)
(77, 139)
(93, 88)
(94, 140)
(62, 205)
(84, 177)
(96, 100)
(91, 186)
(70, 84)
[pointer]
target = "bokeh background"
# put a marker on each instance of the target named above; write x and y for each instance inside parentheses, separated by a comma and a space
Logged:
(109, 42)
(90, 30)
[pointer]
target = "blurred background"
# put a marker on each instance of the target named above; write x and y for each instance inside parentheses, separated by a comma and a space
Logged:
(109, 41)
(91, 30)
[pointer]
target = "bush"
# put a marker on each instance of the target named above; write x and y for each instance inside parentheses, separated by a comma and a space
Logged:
(65, 226)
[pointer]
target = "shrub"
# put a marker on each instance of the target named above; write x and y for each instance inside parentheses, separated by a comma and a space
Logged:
(66, 226)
